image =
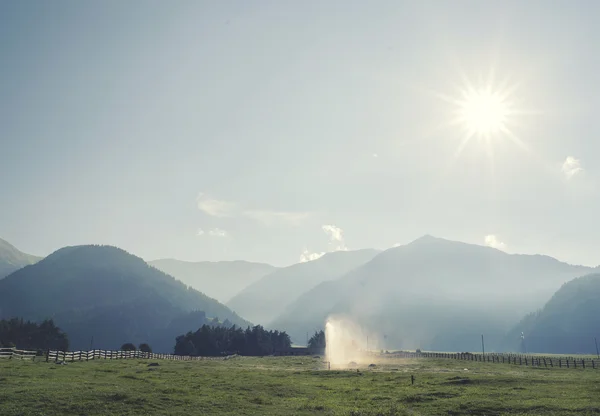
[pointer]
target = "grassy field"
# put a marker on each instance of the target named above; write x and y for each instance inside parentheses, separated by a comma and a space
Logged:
(293, 386)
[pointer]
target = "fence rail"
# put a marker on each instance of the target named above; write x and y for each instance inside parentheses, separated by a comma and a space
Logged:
(11, 353)
(71, 356)
(514, 359)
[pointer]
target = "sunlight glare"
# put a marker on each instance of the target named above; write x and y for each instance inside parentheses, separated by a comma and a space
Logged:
(483, 112)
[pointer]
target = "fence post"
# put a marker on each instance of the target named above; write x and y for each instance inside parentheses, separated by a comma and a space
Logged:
(567, 363)
(583, 363)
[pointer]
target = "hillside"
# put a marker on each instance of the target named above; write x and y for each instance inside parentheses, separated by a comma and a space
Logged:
(12, 259)
(567, 323)
(434, 294)
(268, 297)
(108, 294)
(220, 280)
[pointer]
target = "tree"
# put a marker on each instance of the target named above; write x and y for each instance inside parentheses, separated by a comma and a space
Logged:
(317, 340)
(211, 340)
(128, 347)
(145, 348)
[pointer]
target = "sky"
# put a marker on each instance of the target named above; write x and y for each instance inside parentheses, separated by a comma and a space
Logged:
(276, 131)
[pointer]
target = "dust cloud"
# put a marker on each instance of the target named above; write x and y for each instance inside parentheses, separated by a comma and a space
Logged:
(348, 344)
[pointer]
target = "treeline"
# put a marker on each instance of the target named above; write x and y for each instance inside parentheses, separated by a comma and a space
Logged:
(32, 336)
(216, 341)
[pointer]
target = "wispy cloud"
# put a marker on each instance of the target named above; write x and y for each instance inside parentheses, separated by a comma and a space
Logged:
(336, 243)
(217, 232)
(223, 209)
(270, 218)
(213, 232)
(215, 207)
(492, 240)
(571, 167)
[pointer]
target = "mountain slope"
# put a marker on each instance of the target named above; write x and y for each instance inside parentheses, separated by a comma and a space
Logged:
(220, 280)
(268, 297)
(568, 322)
(105, 293)
(12, 259)
(434, 294)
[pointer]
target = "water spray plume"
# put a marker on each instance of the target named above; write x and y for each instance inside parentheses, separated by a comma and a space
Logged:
(345, 343)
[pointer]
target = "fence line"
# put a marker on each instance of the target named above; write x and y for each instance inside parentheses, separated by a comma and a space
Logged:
(71, 356)
(514, 359)
(11, 353)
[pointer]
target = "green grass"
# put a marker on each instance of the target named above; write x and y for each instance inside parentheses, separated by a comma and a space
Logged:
(294, 386)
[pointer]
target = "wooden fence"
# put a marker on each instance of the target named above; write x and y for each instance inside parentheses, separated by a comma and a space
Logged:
(11, 353)
(514, 359)
(71, 356)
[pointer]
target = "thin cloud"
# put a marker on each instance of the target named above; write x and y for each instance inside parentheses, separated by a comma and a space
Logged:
(336, 243)
(270, 218)
(215, 207)
(571, 167)
(217, 232)
(213, 232)
(226, 209)
(492, 240)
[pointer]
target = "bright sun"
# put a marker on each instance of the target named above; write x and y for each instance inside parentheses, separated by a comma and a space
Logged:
(486, 112)
(483, 112)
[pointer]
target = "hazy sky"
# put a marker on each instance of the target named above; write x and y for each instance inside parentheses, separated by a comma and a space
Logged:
(258, 130)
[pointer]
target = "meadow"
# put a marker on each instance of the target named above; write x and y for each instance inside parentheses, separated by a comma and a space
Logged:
(293, 386)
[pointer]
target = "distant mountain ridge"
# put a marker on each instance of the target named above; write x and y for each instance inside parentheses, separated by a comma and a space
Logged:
(220, 280)
(268, 297)
(567, 323)
(12, 259)
(433, 293)
(108, 294)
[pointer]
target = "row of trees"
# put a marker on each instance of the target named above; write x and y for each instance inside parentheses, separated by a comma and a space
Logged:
(144, 347)
(220, 340)
(32, 336)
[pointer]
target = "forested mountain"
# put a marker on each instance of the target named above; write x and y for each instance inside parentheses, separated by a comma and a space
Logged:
(12, 259)
(265, 299)
(108, 294)
(434, 294)
(567, 324)
(220, 280)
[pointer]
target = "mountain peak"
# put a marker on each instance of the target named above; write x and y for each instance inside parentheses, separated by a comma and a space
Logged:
(427, 238)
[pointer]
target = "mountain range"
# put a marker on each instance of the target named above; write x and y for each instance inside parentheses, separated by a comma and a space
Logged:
(220, 280)
(568, 322)
(107, 294)
(12, 259)
(433, 294)
(268, 297)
